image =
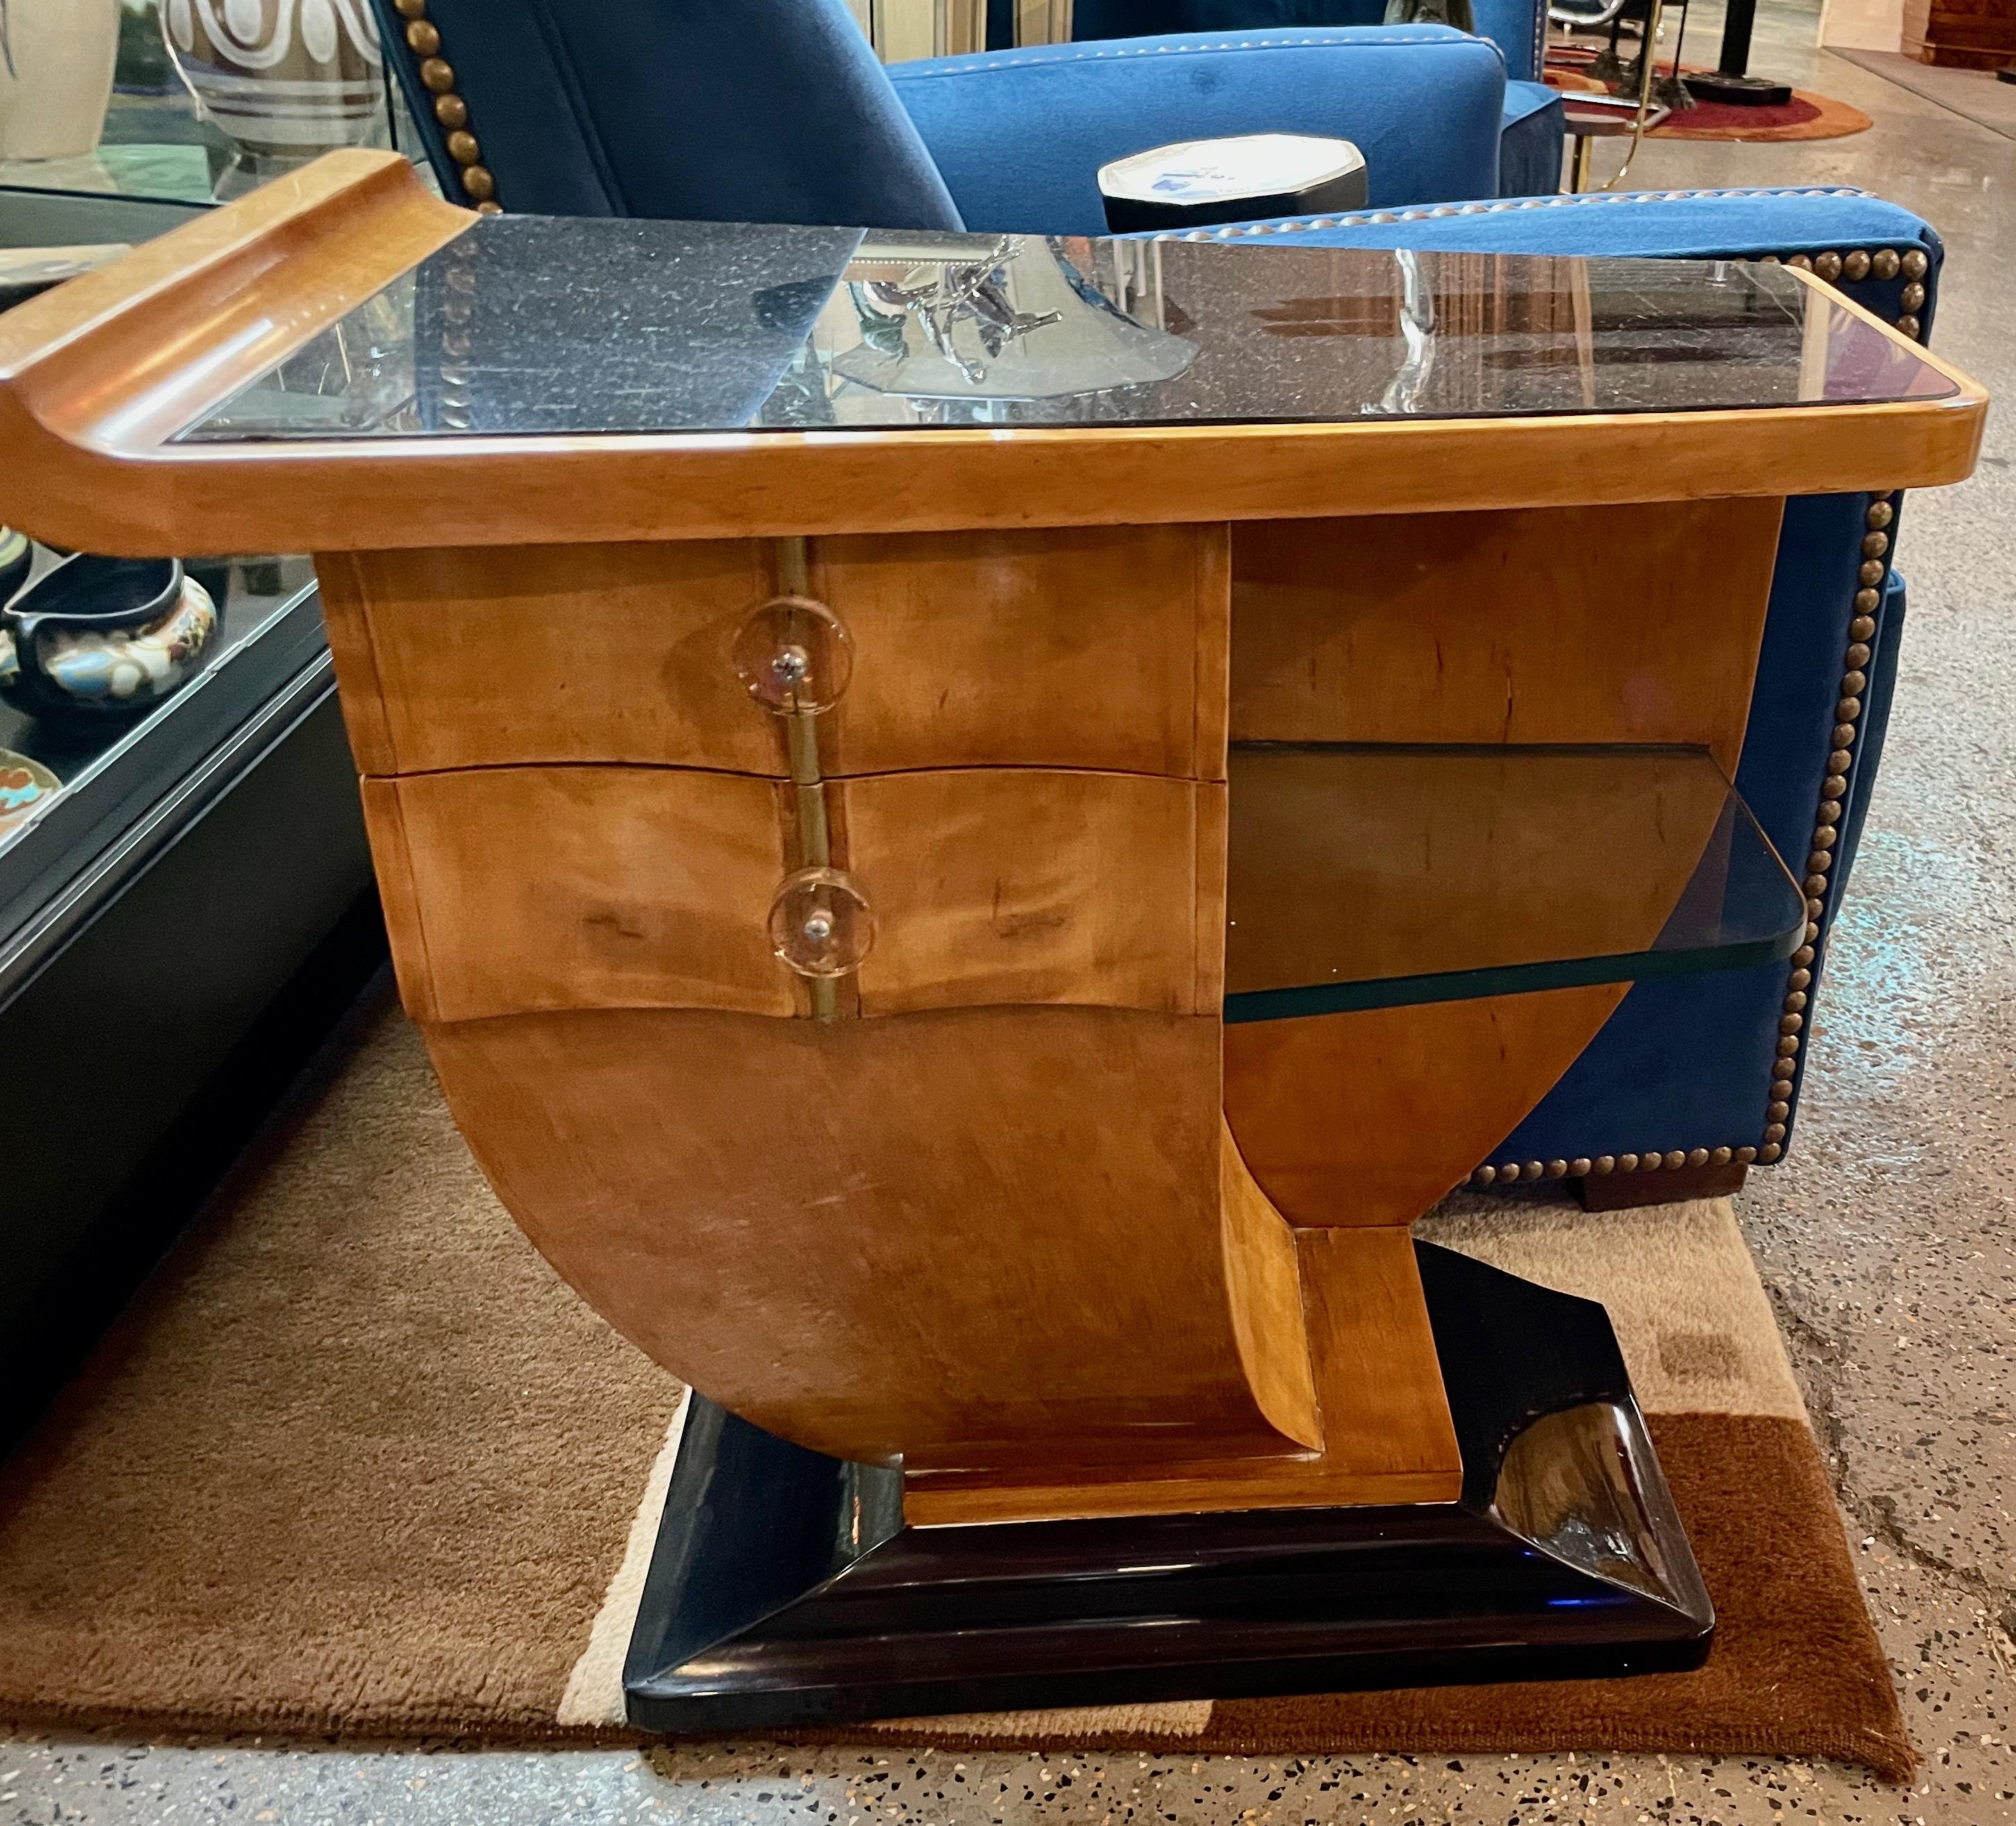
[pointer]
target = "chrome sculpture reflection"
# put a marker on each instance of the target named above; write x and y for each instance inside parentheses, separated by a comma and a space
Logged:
(1014, 321)
(942, 296)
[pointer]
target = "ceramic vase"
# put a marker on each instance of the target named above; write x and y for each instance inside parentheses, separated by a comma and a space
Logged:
(286, 79)
(105, 636)
(55, 75)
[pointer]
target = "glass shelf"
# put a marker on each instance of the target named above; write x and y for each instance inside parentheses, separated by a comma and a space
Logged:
(1363, 876)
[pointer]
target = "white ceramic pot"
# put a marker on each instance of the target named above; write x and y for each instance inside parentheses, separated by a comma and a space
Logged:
(286, 79)
(55, 75)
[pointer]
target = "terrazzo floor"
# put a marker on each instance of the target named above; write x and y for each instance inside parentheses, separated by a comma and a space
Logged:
(1887, 1241)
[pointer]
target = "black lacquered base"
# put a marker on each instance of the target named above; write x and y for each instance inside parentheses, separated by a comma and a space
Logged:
(785, 1589)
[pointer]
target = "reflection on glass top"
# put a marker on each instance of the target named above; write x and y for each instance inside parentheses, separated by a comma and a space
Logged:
(534, 325)
(1369, 877)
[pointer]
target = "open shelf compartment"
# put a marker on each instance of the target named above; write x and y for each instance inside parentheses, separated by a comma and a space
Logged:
(1363, 875)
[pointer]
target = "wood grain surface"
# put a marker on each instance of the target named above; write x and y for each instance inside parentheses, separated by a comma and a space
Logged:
(1029, 885)
(1369, 1117)
(980, 1237)
(1096, 648)
(1377, 863)
(1387, 1433)
(1635, 623)
(1023, 1213)
(582, 887)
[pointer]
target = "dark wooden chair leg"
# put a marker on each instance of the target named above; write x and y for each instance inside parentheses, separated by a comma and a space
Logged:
(1628, 1191)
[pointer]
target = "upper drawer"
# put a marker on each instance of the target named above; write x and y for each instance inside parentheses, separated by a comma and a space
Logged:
(1101, 648)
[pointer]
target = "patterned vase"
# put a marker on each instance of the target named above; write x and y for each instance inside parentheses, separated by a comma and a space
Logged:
(286, 79)
(55, 75)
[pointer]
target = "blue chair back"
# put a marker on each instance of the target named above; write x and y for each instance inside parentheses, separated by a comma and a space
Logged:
(703, 110)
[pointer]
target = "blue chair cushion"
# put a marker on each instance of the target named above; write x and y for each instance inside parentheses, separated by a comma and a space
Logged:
(1020, 135)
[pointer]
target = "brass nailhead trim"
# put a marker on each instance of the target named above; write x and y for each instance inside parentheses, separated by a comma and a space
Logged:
(424, 39)
(1520, 1172)
(1880, 513)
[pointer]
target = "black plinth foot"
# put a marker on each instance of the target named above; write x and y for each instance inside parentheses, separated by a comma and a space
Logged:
(787, 1590)
(1739, 91)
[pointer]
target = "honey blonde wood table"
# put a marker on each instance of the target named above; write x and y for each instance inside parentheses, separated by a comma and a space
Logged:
(943, 801)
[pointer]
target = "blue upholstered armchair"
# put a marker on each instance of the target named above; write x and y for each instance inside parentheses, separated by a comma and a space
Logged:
(777, 110)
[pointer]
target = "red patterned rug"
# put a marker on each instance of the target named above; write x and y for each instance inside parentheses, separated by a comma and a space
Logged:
(1806, 116)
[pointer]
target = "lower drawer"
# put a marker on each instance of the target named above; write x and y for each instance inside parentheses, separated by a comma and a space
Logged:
(513, 889)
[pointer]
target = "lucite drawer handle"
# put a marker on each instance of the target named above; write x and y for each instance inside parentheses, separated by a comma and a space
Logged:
(794, 656)
(821, 923)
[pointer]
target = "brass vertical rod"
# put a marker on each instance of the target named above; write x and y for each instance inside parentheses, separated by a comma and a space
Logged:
(793, 568)
(807, 784)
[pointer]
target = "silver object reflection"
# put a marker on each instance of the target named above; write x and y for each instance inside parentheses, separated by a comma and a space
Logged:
(1405, 390)
(941, 319)
(940, 295)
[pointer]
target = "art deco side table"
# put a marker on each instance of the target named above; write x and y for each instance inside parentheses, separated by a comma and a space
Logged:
(926, 787)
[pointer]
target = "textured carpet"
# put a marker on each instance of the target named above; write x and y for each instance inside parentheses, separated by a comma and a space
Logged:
(357, 1463)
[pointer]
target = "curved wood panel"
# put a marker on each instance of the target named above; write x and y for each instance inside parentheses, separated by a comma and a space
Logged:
(969, 1238)
(513, 889)
(1376, 1382)
(1383, 863)
(475, 657)
(1095, 647)
(1263, 1279)
(1370, 1117)
(114, 363)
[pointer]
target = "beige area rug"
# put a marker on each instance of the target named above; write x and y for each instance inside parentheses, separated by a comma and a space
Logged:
(357, 1463)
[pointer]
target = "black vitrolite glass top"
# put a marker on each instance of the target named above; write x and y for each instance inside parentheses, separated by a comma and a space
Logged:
(534, 326)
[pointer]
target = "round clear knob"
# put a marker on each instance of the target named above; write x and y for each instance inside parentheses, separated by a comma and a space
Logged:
(820, 923)
(793, 654)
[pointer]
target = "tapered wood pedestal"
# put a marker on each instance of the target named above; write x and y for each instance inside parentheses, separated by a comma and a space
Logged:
(788, 1588)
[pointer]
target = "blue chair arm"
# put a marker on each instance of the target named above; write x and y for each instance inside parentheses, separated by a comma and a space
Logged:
(1810, 223)
(1020, 135)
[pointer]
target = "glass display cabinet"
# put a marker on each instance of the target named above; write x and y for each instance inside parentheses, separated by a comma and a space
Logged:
(185, 899)
(922, 784)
